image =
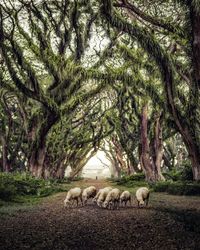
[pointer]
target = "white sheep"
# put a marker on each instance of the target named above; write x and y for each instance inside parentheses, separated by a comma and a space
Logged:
(72, 195)
(112, 199)
(125, 197)
(88, 193)
(102, 195)
(97, 195)
(142, 196)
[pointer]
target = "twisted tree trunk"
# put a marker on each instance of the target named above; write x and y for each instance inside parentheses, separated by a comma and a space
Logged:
(158, 149)
(145, 154)
(5, 162)
(119, 154)
(38, 146)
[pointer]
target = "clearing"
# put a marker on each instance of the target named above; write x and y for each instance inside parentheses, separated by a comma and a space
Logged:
(170, 222)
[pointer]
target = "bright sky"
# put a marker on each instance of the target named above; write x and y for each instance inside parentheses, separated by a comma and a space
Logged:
(95, 167)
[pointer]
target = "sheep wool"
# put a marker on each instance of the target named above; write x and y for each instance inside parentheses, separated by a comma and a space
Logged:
(97, 195)
(102, 196)
(125, 197)
(88, 193)
(73, 194)
(142, 196)
(112, 199)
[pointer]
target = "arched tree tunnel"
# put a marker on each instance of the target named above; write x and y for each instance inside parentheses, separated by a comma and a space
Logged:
(81, 76)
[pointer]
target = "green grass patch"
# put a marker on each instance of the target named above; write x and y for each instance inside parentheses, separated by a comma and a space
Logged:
(22, 192)
(130, 183)
(177, 187)
(12, 185)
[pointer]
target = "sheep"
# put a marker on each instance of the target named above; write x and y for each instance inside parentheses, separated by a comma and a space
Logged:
(88, 193)
(112, 199)
(73, 194)
(97, 196)
(142, 196)
(102, 195)
(125, 197)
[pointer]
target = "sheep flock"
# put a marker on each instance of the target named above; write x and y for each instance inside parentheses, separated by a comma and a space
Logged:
(108, 197)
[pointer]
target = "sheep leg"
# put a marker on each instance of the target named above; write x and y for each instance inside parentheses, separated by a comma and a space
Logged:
(130, 202)
(125, 203)
(81, 200)
(113, 205)
(72, 203)
(76, 202)
(117, 204)
(147, 201)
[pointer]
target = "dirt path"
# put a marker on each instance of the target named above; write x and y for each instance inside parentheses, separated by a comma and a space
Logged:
(170, 222)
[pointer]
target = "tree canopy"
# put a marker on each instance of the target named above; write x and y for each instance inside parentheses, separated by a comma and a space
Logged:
(78, 76)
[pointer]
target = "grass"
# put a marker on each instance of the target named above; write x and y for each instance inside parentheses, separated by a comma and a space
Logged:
(177, 187)
(20, 192)
(19, 204)
(130, 183)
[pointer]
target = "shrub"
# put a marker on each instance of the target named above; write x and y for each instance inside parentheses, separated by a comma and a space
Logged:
(7, 192)
(186, 173)
(183, 174)
(177, 188)
(173, 175)
(161, 186)
(137, 177)
(136, 180)
(16, 184)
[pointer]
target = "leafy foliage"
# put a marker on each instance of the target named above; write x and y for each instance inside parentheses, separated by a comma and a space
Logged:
(177, 188)
(23, 184)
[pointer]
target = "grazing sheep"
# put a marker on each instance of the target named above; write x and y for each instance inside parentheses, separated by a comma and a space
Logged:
(125, 197)
(112, 199)
(97, 196)
(102, 196)
(73, 194)
(88, 193)
(142, 196)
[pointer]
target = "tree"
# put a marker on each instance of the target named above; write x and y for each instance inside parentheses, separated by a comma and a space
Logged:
(52, 37)
(186, 121)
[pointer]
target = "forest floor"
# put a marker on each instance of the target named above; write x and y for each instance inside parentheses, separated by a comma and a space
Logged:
(169, 222)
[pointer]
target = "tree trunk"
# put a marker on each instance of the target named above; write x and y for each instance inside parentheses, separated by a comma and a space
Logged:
(55, 172)
(36, 162)
(196, 167)
(158, 149)
(80, 163)
(195, 23)
(193, 147)
(115, 168)
(114, 164)
(145, 154)
(119, 154)
(129, 152)
(38, 145)
(167, 162)
(5, 161)
(60, 173)
(131, 168)
(194, 156)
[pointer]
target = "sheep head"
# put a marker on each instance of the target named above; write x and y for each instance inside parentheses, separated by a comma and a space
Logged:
(105, 204)
(66, 203)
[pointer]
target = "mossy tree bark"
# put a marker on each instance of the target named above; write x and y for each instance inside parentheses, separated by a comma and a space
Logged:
(186, 124)
(63, 90)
